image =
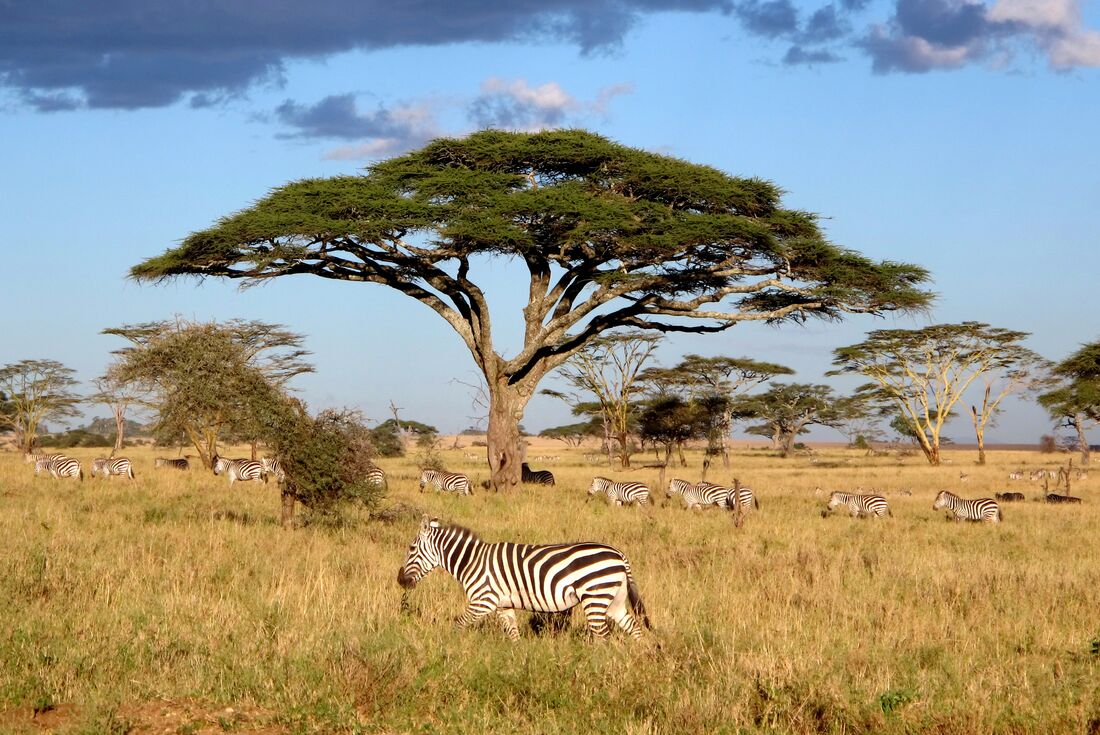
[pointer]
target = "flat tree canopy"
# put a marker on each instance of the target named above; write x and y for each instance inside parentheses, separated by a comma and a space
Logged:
(611, 236)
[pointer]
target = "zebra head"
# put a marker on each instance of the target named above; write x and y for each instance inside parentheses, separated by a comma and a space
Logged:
(599, 484)
(424, 554)
(676, 487)
(219, 464)
(99, 467)
(425, 478)
(834, 501)
(942, 500)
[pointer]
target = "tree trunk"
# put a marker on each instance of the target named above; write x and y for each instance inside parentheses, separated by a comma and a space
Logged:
(255, 450)
(1082, 440)
(624, 450)
(506, 405)
(787, 443)
(680, 452)
(286, 517)
(979, 428)
(664, 466)
(120, 427)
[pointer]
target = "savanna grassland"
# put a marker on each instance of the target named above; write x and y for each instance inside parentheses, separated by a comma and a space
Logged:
(174, 604)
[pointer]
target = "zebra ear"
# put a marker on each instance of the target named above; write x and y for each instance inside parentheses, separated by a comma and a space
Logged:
(427, 522)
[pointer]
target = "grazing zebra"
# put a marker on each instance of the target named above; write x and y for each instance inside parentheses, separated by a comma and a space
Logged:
(859, 505)
(503, 577)
(61, 466)
(621, 493)
(172, 463)
(239, 469)
(107, 466)
(980, 509)
(536, 477)
(699, 495)
(36, 457)
(743, 498)
(451, 482)
(1009, 497)
(1018, 475)
(274, 467)
(376, 476)
(1055, 498)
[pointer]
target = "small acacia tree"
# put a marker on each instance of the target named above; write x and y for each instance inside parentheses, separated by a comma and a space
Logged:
(668, 422)
(1075, 401)
(713, 382)
(610, 236)
(925, 372)
(37, 391)
(787, 410)
(207, 380)
(573, 434)
(118, 397)
(609, 369)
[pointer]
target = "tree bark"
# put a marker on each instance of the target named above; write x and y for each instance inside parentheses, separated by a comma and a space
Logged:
(506, 405)
(286, 516)
(1082, 440)
(120, 426)
(979, 427)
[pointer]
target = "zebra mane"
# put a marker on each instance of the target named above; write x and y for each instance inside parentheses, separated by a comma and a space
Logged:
(462, 531)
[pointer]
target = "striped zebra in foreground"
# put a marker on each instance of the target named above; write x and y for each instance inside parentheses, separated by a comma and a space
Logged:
(376, 476)
(60, 466)
(860, 505)
(980, 509)
(535, 477)
(503, 577)
(451, 482)
(698, 495)
(172, 463)
(620, 493)
(239, 469)
(107, 466)
(274, 467)
(742, 499)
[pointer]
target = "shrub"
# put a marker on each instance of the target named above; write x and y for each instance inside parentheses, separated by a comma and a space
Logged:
(1047, 444)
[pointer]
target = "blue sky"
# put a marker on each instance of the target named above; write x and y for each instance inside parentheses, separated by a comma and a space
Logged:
(957, 135)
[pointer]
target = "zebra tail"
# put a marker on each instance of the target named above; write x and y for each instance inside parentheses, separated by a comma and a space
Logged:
(82, 474)
(636, 601)
(755, 501)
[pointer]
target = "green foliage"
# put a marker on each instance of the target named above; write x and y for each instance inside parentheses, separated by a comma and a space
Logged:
(892, 700)
(787, 410)
(325, 457)
(574, 434)
(386, 441)
(1078, 392)
(414, 427)
(671, 420)
(76, 438)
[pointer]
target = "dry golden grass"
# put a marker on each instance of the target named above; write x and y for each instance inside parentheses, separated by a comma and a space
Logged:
(115, 596)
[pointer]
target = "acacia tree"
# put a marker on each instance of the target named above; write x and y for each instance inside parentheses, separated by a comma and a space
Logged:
(713, 382)
(572, 434)
(609, 368)
(669, 421)
(207, 380)
(925, 372)
(1075, 402)
(610, 237)
(37, 391)
(787, 410)
(118, 397)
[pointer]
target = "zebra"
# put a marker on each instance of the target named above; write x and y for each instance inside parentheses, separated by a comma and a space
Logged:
(1017, 475)
(859, 505)
(698, 495)
(239, 469)
(503, 577)
(536, 477)
(1055, 498)
(60, 466)
(452, 482)
(376, 476)
(107, 466)
(980, 509)
(1009, 497)
(274, 467)
(621, 493)
(172, 463)
(743, 498)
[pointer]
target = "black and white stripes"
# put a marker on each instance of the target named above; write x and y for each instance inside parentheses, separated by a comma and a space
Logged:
(536, 477)
(107, 466)
(980, 509)
(620, 493)
(451, 482)
(860, 504)
(58, 466)
(698, 495)
(239, 469)
(504, 577)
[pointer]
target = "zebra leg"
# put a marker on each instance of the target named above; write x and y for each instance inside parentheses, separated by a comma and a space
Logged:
(595, 615)
(619, 611)
(507, 619)
(476, 610)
